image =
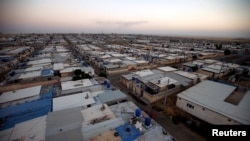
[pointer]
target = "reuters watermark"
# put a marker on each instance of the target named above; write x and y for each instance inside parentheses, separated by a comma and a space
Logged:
(217, 132)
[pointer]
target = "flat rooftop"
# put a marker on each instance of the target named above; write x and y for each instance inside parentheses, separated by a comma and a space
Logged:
(30, 130)
(95, 115)
(58, 66)
(143, 73)
(76, 84)
(33, 68)
(163, 82)
(19, 94)
(187, 74)
(141, 61)
(167, 69)
(30, 74)
(111, 96)
(40, 61)
(72, 101)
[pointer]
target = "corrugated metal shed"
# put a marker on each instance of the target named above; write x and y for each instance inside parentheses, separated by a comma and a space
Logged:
(211, 95)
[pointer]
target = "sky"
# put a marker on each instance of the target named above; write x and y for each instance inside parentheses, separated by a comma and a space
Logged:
(210, 18)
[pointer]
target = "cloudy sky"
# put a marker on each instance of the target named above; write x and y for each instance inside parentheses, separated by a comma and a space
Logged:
(215, 18)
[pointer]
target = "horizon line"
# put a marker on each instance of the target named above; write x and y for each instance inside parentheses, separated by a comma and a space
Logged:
(148, 34)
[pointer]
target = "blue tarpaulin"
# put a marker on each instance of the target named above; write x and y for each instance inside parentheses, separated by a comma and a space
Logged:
(128, 132)
(47, 72)
(10, 116)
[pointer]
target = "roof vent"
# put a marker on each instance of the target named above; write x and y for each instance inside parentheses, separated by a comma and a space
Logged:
(87, 96)
(103, 107)
(32, 136)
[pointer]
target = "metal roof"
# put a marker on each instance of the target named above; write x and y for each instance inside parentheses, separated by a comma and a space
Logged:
(72, 101)
(211, 95)
(19, 94)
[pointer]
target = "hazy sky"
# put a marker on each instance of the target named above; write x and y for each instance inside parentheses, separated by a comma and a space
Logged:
(224, 18)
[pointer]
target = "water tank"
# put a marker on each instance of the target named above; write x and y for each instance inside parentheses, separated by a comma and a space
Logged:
(137, 112)
(137, 81)
(133, 78)
(147, 121)
(108, 85)
(105, 82)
